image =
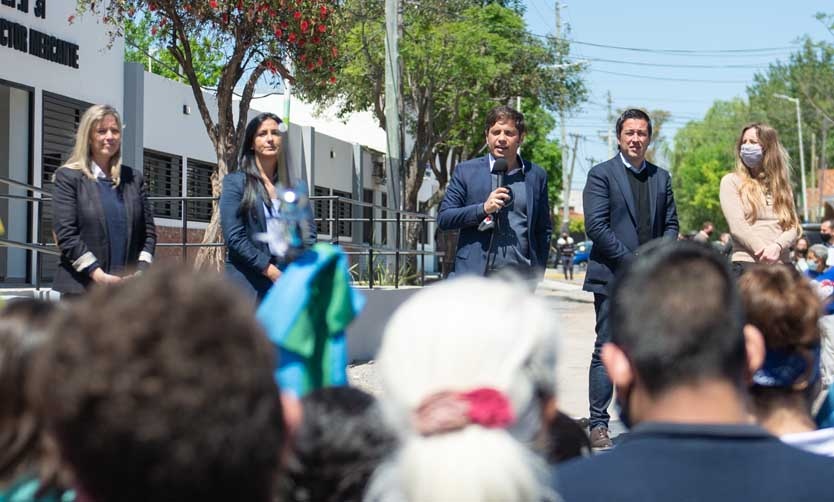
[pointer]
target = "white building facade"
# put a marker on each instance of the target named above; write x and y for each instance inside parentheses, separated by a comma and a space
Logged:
(51, 70)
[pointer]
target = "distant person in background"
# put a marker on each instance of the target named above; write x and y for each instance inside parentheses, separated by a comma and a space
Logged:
(248, 197)
(826, 233)
(102, 220)
(800, 254)
(567, 249)
(817, 258)
(757, 200)
(704, 234)
(784, 307)
(468, 394)
(822, 280)
(724, 245)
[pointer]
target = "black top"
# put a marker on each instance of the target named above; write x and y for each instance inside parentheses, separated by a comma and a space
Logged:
(689, 462)
(640, 192)
(115, 215)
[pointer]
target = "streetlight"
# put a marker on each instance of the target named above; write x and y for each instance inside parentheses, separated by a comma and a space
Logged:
(801, 154)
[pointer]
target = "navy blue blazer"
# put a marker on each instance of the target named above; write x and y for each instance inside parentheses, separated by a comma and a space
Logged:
(462, 209)
(246, 257)
(611, 219)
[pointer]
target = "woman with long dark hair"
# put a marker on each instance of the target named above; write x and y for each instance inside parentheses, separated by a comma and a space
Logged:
(248, 198)
(757, 200)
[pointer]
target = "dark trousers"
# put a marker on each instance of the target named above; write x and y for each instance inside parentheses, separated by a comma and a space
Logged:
(600, 389)
(567, 266)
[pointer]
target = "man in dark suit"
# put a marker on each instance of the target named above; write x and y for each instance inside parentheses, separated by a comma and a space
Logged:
(519, 236)
(628, 202)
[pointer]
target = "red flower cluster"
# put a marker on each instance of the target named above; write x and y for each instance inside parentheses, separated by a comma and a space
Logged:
(300, 29)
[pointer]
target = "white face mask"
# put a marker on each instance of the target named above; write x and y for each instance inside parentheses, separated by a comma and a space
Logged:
(751, 155)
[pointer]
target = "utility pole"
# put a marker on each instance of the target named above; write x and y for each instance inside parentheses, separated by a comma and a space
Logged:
(564, 134)
(823, 165)
(567, 187)
(795, 101)
(812, 175)
(610, 127)
(393, 127)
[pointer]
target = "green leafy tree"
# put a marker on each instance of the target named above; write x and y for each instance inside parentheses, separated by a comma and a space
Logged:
(142, 46)
(541, 149)
(250, 39)
(459, 59)
(704, 153)
(808, 75)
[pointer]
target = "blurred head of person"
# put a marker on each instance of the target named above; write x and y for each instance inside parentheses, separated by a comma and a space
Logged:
(468, 390)
(161, 388)
(801, 247)
(677, 336)
(826, 229)
(784, 307)
(817, 258)
(23, 450)
(341, 440)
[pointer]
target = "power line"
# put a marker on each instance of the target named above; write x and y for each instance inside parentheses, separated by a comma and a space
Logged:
(668, 65)
(651, 77)
(690, 52)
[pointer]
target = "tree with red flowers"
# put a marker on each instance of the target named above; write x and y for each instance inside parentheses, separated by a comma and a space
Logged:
(258, 39)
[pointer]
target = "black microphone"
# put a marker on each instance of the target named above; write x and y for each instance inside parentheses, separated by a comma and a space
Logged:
(499, 168)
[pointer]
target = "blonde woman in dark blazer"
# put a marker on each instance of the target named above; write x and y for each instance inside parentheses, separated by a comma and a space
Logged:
(102, 219)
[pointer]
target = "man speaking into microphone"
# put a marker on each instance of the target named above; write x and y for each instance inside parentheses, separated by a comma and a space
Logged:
(499, 204)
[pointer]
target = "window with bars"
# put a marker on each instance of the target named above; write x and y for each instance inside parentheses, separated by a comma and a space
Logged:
(61, 116)
(163, 175)
(322, 210)
(343, 210)
(199, 185)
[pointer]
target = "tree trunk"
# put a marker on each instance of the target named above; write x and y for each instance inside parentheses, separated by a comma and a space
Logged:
(212, 257)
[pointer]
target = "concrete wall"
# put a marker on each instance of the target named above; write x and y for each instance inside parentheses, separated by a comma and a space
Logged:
(14, 164)
(364, 335)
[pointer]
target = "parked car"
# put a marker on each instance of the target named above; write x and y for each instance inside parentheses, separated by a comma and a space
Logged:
(583, 251)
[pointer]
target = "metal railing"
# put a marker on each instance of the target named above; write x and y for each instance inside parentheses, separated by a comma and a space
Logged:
(359, 248)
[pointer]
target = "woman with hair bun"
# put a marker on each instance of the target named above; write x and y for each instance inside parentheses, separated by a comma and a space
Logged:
(757, 200)
(469, 392)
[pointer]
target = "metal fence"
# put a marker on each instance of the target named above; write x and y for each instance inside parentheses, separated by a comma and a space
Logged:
(334, 223)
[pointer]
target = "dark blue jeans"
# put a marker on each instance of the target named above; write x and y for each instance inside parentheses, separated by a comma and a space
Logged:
(600, 390)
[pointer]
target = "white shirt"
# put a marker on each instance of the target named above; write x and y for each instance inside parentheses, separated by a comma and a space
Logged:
(635, 170)
(820, 441)
(519, 164)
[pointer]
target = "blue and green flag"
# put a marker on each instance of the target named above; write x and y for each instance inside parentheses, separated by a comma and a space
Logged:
(305, 315)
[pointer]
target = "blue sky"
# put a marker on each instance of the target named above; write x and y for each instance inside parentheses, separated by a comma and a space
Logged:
(707, 27)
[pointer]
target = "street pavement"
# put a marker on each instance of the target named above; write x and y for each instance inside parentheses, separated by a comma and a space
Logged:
(574, 311)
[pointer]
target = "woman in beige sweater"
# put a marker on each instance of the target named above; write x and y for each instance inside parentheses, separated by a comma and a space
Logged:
(757, 200)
